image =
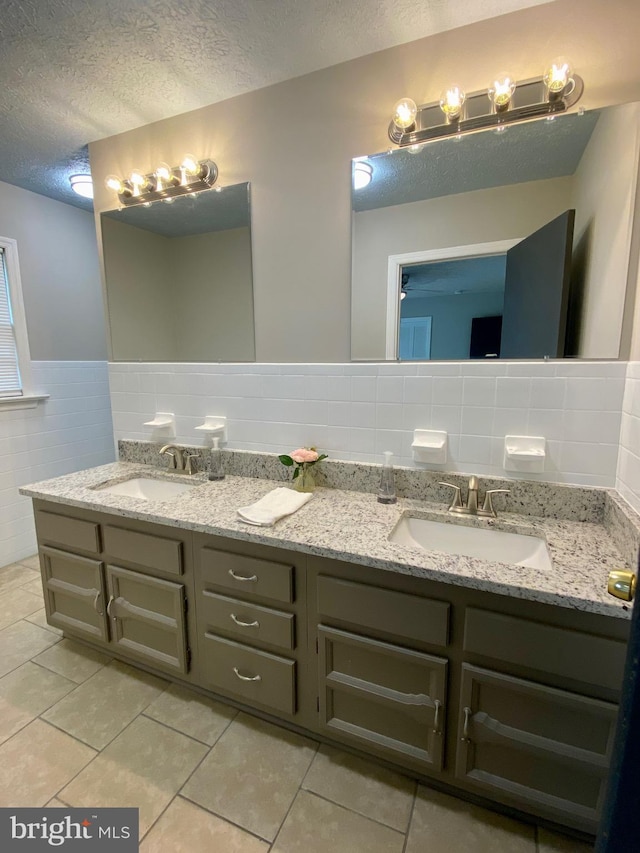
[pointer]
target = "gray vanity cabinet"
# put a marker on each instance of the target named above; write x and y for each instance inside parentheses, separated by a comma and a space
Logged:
(251, 610)
(527, 743)
(147, 618)
(123, 584)
(382, 697)
(74, 593)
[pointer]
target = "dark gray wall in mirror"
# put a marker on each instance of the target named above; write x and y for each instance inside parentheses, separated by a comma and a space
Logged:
(178, 278)
(448, 198)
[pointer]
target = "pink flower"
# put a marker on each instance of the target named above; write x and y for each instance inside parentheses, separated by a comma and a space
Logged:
(303, 454)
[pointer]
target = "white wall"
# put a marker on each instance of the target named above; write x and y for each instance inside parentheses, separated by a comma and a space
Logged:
(65, 321)
(604, 198)
(60, 274)
(628, 476)
(356, 411)
(481, 216)
(70, 431)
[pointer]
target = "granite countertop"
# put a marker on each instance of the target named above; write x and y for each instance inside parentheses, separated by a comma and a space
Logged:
(354, 527)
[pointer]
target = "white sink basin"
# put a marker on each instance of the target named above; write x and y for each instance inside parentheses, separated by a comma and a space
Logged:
(484, 544)
(147, 489)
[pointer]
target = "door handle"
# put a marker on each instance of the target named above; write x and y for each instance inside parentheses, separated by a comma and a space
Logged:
(465, 729)
(622, 584)
(246, 677)
(254, 624)
(436, 717)
(251, 578)
(95, 603)
(109, 605)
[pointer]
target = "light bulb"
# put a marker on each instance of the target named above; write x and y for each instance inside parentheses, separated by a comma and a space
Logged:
(451, 101)
(362, 174)
(113, 182)
(190, 165)
(501, 91)
(138, 179)
(557, 76)
(404, 113)
(164, 173)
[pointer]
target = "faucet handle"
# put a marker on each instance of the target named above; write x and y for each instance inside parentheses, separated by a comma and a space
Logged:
(457, 497)
(189, 460)
(487, 507)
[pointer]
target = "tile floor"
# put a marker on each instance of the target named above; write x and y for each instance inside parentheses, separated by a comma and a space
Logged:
(80, 729)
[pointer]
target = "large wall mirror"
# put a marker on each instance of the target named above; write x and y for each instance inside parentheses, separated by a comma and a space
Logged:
(509, 243)
(178, 278)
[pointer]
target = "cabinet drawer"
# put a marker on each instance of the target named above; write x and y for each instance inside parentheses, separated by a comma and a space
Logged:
(524, 743)
(410, 617)
(252, 623)
(144, 549)
(558, 651)
(72, 532)
(247, 575)
(257, 677)
(74, 594)
(388, 698)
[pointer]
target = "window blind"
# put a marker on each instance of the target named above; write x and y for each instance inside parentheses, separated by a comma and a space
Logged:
(10, 384)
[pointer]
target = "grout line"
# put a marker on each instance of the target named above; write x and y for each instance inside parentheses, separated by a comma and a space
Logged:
(295, 796)
(411, 816)
(223, 818)
(184, 734)
(353, 811)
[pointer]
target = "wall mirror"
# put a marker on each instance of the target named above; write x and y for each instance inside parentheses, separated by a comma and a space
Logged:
(178, 278)
(511, 243)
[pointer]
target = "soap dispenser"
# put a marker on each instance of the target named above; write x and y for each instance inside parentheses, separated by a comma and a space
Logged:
(216, 470)
(387, 490)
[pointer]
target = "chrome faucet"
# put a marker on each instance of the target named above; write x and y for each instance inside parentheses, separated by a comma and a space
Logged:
(181, 460)
(471, 507)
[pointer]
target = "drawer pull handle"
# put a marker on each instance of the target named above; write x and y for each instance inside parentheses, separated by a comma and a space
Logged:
(254, 624)
(251, 579)
(465, 729)
(109, 605)
(246, 677)
(95, 603)
(436, 717)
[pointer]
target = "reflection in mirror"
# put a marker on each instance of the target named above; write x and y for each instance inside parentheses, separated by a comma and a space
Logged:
(439, 217)
(178, 278)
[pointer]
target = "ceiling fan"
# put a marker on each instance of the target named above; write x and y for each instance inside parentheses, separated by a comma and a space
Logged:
(406, 288)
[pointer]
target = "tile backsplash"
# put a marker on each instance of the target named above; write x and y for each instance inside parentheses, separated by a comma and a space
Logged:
(69, 431)
(356, 411)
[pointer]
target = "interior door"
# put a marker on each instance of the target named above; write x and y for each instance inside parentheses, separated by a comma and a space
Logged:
(536, 294)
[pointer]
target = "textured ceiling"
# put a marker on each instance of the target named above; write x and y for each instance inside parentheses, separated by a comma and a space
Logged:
(531, 151)
(74, 71)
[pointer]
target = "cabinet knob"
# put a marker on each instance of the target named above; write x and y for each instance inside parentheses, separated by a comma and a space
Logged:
(622, 584)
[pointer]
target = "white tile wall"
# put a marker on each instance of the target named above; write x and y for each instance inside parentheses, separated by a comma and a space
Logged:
(70, 431)
(628, 479)
(355, 411)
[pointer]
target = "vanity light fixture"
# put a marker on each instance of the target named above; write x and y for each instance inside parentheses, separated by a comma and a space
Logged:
(82, 185)
(165, 183)
(362, 174)
(555, 92)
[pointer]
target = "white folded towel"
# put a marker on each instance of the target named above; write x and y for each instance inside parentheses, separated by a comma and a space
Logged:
(273, 506)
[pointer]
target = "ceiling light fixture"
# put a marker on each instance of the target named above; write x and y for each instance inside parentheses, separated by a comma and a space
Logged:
(82, 185)
(362, 174)
(555, 92)
(165, 183)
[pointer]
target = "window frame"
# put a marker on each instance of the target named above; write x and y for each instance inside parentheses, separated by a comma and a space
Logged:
(27, 399)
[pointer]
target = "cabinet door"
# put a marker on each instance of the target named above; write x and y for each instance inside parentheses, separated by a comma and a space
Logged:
(147, 617)
(527, 744)
(74, 593)
(387, 698)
